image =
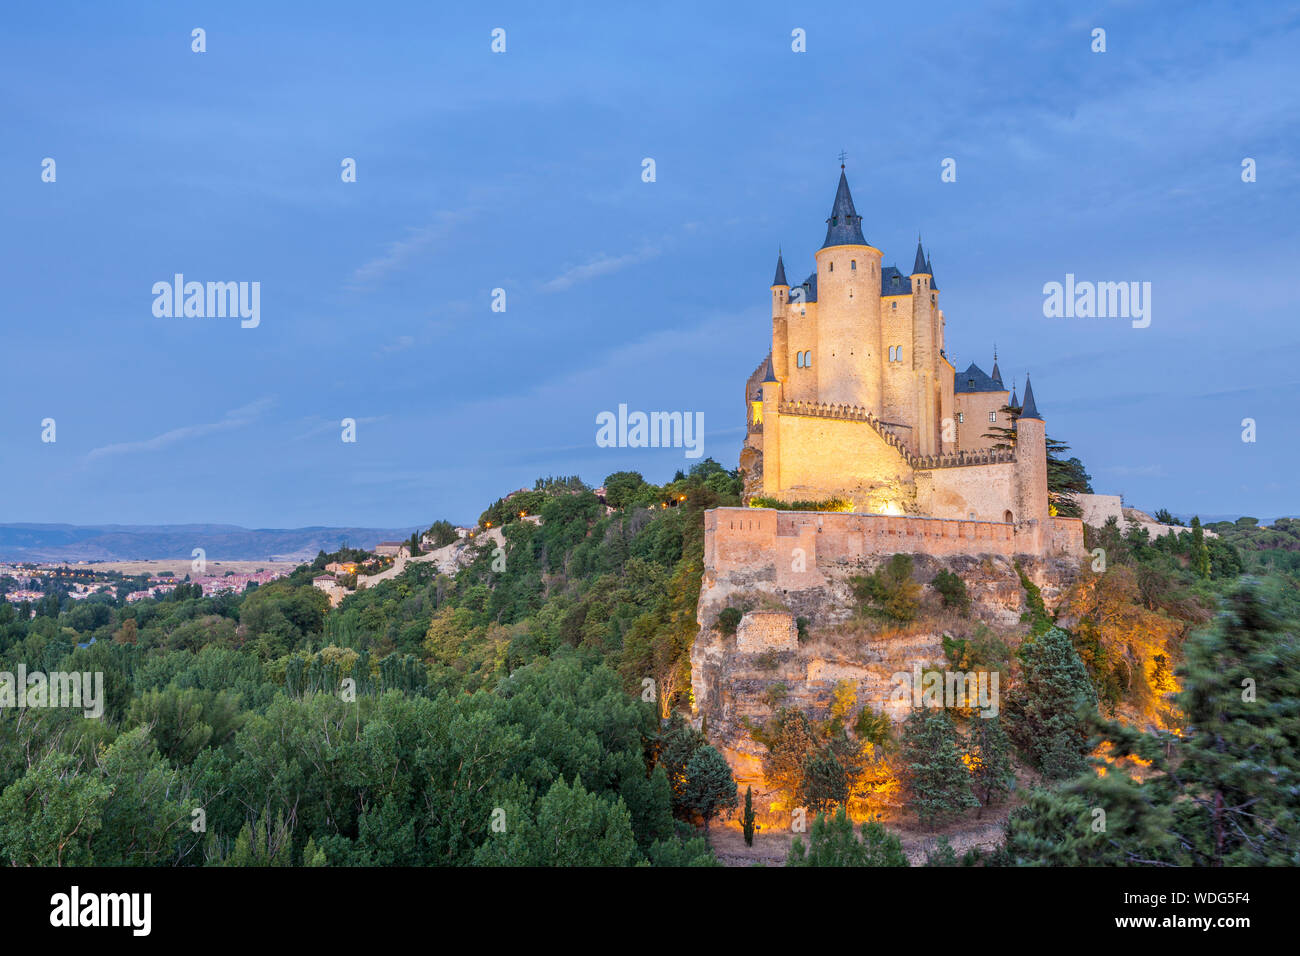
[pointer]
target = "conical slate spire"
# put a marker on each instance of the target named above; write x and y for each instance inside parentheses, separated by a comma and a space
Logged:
(769, 374)
(780, 271)
(844, 227)
(1015, 402)
(997, 375)
(1030, 409)
(929, 267)
(920, 266)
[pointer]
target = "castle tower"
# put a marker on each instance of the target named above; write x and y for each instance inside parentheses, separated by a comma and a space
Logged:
(780, 336)
(848, 359)
(771, 389)
(925, 356)
(1031, 464)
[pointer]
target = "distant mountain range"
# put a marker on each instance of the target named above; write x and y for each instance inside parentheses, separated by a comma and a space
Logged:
(221, 542)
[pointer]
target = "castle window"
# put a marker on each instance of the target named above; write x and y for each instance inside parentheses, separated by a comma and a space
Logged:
(1006, 516)
(961, 418)
(993, 416)
(970, 383)
(891, 353)
(807, 359)
(933, 298)
(893, 305)
(798, 360)
(830, 267)
(853, 264)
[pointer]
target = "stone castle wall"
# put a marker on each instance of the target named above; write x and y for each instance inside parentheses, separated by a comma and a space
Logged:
(791, 545)
(761, 631)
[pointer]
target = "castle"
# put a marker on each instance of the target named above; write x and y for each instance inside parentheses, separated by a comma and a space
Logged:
(858, 400)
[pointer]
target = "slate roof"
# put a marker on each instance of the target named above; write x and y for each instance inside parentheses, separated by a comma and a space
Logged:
(1031, 408)
(844, 227)
(780, 271)
(920, 266)
(974, 380)
(809, 286)
(893, 282)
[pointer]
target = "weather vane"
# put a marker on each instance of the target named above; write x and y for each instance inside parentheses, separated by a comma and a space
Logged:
(842, 155)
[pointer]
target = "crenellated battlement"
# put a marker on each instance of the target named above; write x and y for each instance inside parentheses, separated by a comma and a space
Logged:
(856, 413)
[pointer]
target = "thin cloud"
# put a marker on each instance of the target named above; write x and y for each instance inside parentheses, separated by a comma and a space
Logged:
(403, 251)
(236, 418)
(333, 424)
(602, 265)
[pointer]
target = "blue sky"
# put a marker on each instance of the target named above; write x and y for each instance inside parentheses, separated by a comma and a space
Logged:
(522, 171)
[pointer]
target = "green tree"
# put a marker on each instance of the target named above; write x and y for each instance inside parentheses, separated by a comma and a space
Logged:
(1200, 552)
(831, 842)
(50, 816)
(992, 776)
(570, 827)
(747, 817)
(789, 739)
(889, 591)
(937, 781)
(710, 787)
(953, 591)
(1050, 704)
(825, 783)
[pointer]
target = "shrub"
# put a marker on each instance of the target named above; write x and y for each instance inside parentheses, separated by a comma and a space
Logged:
(729, 620)
(889, 591)
(953, 590)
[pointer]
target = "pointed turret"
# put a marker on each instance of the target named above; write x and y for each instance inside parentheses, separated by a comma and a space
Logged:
(769, 374)
(844, 227)
(1015, 402)
(780, 271)
(1030, 409)
(997, 374)
(920, 266)
(929, 267)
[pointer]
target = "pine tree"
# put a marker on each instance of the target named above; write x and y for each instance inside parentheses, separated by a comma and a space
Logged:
(825, 782)
(937, 780)
(1049, 705)
(747, 818)
(1221, 793)
(992, 776)
(710, 788)
(831, 843)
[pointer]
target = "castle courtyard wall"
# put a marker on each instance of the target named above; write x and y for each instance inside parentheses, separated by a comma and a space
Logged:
(825, 457)
(985, 491)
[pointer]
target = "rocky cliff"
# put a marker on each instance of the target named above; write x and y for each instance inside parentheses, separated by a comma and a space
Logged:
(740, 680)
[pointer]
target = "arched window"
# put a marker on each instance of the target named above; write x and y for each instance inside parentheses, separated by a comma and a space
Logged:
(807, 359)
(853, 265)
(899, 352)
(830, 267)
(1006, 516)
(798, 360)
